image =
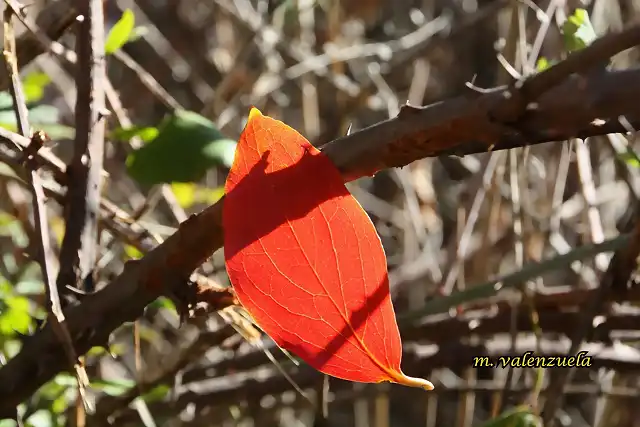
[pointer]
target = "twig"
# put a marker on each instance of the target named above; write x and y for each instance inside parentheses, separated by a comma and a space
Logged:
(147, 80)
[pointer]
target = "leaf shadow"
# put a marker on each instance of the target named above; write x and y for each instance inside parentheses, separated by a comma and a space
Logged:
(295, 180)
(356, 321)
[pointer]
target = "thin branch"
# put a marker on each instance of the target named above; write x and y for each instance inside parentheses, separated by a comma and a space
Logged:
(80, 244)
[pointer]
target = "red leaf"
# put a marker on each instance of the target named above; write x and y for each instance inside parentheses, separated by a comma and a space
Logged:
(305, 259)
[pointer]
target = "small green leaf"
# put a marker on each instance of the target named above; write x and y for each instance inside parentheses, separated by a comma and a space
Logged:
(163, 303)
(40, 418)
(132, 252)
(59, 405)
(44, 114)
(542, 64)
(34, 85)
(114, 387)
(120, 32)
(185, 193)
(157, 393)
(6, 102)
(520, 416)
(146, 134)
(15, 317)
(577, 31)
(115, 349)
(209, 195)
(630, 157)
(223, 151)
(187, 145)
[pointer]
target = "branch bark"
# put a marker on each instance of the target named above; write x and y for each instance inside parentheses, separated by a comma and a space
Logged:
(79, 246)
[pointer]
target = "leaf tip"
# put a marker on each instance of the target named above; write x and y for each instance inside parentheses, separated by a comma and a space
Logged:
(254, 113)
(415, 382)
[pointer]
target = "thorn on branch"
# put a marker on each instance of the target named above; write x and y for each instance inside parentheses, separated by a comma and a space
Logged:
(196, 300)
(408, 110)
(38, 139)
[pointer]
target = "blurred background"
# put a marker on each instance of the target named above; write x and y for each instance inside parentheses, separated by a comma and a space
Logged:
(182, 77)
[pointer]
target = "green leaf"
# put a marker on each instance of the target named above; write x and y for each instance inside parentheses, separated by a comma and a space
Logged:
(209, 195)
(6, 102)
(185, 193)
(157, 393)
(34, 85)
(44, 114)
(163, 303)
(120, 32)
(60, 404)
(132, 252)
(42, 117)
(630, 157)
(64, 380)
(15, 317)
(11, 348)
(146, 134)
(577, 31)
(187, 145)
(114, 387)
(542, 64)
(115, 349)
(520, 416)
(40, 418)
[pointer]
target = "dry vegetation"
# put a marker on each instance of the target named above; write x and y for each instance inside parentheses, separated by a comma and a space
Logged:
(525, 240)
